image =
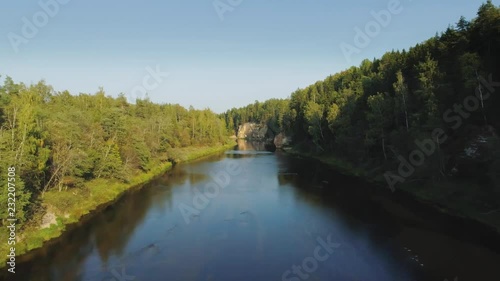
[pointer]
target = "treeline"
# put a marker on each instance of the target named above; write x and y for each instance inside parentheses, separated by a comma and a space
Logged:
(59, 141)
(371, 114)
(274, 112)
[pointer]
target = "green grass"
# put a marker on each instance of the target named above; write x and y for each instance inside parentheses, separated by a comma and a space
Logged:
(70, 206)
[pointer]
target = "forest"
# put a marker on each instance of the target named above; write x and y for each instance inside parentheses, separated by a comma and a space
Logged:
(376, 119)
(64, 143)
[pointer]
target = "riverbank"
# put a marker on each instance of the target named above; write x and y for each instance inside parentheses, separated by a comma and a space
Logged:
(67, 207)
(458, 199)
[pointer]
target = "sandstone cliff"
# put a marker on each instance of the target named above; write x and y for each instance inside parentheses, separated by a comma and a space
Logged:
(253, 131)
(261, 132)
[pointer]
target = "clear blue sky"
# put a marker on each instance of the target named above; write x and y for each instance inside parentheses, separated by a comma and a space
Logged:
(259, 50)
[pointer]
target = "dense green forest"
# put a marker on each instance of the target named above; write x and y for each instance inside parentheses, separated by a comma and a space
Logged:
(58, 142)
(274, 112)
(377, 114)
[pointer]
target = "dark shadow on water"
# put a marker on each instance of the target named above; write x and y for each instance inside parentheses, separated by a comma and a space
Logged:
(107, 232)
(265, 221)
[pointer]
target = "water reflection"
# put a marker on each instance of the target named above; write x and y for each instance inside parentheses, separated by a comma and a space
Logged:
(268, 219)
(253, 146)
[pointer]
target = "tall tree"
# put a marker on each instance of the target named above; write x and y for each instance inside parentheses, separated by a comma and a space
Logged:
(401, 91)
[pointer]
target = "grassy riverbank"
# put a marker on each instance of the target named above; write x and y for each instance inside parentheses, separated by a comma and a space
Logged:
(456, 198)
(70, 206)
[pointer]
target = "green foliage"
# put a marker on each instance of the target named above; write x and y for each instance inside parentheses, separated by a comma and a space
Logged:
(58, 141)
(313, 115)
(401, 99)
(331, 117)
(379, 119)
(274, 112)
(428, 75)
(375, 112)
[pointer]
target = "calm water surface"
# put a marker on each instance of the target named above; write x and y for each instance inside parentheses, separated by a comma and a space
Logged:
(273, 217)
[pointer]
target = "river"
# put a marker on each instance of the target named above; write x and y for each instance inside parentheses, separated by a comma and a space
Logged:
(252, 214)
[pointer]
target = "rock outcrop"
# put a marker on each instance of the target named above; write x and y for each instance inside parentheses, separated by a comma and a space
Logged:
(253, 131)
(281, 140)
(477, 154)
(262, 133)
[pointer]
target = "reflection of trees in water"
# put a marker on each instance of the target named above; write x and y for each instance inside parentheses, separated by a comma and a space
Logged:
(108, 231)
(172, 178)
(240, 155)
(67, 260)
(114, 227)
(300, 173)
(341, 207)
(355, 213)
(254, 145)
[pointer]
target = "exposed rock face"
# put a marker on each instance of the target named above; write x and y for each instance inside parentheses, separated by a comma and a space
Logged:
(262, 133)
(477, 154)
(253, 131)
(281, 140)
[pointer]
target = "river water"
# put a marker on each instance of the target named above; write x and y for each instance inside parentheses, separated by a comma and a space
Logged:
(251, 214)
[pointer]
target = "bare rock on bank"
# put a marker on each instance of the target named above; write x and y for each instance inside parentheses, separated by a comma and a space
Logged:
(253, 131)
(281, 140)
